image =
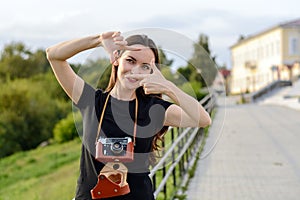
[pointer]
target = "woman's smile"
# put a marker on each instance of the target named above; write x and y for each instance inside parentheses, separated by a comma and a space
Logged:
(132, 80)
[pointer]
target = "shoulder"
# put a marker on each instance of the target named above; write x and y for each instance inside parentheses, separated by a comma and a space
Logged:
(90, 96)
(85, 97)
(99, 94)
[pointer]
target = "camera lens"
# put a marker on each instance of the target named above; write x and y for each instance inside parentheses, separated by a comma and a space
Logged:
(116, 147)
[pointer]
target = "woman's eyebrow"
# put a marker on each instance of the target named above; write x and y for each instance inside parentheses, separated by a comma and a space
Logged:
(132, 58)
(136, 60)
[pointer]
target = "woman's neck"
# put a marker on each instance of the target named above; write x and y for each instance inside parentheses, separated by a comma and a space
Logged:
(122, 94)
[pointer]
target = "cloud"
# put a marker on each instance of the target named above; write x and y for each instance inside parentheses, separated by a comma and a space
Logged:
(42, 23)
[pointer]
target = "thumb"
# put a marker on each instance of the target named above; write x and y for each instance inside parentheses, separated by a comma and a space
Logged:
(154, 67)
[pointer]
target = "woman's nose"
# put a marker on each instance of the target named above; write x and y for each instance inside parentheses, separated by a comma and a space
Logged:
(135, 69)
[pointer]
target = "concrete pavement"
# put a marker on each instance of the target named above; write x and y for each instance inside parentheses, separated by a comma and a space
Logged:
(257, 156)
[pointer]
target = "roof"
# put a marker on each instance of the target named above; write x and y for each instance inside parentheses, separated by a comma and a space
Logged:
(294, 23)
(288, 24)
(225, 72)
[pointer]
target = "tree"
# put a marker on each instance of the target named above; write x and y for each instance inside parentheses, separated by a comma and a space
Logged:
(164, 61)
(96, 72)
(201, 67)
(17, 61)
(29, 112)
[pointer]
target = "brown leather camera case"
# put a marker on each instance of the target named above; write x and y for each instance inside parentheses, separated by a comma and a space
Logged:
(111, 181)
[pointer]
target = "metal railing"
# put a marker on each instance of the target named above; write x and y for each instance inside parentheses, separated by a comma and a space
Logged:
(254, 96)
(172, 172)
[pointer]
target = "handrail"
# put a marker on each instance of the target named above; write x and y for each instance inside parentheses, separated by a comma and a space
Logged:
(171, 168)
(185, 148)
(252, 97)
(162, 160)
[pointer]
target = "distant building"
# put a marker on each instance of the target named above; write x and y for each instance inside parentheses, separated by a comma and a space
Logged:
(270, 55)
(226, 76)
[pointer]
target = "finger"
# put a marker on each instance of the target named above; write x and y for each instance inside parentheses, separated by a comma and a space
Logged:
(121, 43)
(107, 34)
(118, 38)
(137, 76)
(117, 33)
(131, 48)
(123, 46)
(143, 83)
(153, 66)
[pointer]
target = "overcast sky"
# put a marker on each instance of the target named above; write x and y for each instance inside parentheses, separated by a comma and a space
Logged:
(39, 23)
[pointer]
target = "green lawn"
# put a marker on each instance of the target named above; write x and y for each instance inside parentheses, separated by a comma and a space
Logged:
(44, 173)
(49, 173)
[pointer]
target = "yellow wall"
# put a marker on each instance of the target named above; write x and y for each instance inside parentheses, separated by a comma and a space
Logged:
(286, 56)
(264, 50)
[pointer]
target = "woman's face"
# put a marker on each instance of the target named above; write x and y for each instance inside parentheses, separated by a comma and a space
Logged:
(134, 62)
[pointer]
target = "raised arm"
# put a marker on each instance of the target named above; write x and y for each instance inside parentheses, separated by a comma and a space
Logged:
(186, 112)
(58, 55)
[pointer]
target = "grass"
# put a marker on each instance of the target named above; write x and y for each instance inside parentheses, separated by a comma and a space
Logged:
(51, 173)
(44, 173)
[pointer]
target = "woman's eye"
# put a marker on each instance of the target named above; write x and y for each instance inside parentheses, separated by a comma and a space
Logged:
(146, 67)
(130, 60)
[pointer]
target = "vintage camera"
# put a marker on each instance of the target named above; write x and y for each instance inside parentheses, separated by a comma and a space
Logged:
(114, 149)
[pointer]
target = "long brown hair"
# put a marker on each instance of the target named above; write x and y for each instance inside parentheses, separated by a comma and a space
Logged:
(147, 42)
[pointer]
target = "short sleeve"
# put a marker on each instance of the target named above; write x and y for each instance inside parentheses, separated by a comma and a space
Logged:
(160, 113)
(87, 97)
(86, 105)
(163, 102)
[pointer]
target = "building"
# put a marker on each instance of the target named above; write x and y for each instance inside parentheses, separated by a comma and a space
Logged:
(258, 60)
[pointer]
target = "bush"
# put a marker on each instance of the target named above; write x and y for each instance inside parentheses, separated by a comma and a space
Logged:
(193, 89)
(65, 129)
(28, 114)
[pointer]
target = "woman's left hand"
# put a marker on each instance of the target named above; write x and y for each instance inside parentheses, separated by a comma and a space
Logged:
(154, 83)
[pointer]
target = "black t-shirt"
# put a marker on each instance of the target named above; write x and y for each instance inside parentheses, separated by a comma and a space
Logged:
(118, 121)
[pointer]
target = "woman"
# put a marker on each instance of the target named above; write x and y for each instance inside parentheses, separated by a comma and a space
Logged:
(132, 97)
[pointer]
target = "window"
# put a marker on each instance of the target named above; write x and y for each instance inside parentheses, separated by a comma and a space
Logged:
(293, 46)
(277, 47)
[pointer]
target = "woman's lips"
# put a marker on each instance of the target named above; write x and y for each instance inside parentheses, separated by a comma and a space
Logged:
(132, 80)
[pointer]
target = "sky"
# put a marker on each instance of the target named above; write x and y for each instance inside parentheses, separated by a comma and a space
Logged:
(40, 24)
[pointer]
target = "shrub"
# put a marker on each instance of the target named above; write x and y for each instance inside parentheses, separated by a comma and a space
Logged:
(65, 129)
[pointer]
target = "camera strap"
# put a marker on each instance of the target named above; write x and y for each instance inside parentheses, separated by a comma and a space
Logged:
(102, 115)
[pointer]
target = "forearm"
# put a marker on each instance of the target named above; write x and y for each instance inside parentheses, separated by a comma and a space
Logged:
(65, 50)
(189, 105)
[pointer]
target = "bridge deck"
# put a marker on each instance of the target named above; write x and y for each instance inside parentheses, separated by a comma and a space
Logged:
(257, 157)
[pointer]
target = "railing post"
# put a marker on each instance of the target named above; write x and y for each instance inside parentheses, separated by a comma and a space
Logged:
(164, 171)
(154, 182)
(173, 159)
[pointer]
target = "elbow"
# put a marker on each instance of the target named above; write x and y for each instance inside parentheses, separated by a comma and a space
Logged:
(49, 53)
(206, 121)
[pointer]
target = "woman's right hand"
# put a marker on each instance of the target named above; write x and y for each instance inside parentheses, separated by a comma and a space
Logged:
(113, 41)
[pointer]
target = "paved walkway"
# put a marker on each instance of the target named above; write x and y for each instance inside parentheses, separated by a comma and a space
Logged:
(257, 157)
